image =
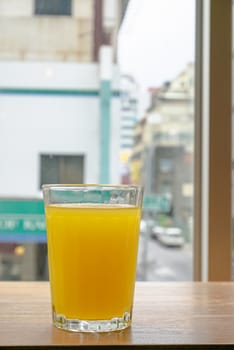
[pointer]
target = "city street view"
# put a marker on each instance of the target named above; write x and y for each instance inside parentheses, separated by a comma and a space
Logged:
(90, 94)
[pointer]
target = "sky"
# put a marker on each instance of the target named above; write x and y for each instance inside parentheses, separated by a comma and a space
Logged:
(156, 40)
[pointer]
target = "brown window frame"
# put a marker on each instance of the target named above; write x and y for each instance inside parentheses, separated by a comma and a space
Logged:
(213, 140)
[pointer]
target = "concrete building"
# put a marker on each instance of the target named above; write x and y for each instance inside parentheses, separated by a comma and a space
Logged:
(48, 54)
(129, 111)
(59, 115)
(162, 157)
(50, 115)
(46, 30)
(58, 30)
(129, 100)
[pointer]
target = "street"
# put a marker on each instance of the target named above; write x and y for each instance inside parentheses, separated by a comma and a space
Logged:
(159, 263)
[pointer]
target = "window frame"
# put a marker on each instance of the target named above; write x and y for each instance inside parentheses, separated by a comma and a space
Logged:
(47, 13)
(213, 115)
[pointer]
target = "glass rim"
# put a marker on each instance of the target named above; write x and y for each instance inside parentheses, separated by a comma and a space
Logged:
(77, 186)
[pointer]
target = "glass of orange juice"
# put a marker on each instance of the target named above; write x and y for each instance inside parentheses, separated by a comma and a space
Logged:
(92, 234)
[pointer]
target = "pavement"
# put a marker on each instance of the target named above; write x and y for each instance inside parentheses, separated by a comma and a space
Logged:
(160, 263)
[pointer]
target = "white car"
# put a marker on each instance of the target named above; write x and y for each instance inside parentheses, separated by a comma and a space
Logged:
(171, 236)
(157, 231)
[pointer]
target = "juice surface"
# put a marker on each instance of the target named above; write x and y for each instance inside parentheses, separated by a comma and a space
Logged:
(92, 259)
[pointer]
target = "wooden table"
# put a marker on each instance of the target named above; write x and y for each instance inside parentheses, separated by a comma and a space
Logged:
(166, 316)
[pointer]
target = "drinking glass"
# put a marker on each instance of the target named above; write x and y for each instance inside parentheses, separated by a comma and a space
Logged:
(92, 234)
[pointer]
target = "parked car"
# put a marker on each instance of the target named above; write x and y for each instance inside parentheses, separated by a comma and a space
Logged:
(168, 236)
(157, 231)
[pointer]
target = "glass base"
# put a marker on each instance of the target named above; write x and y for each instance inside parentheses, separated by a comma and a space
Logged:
(76, 325)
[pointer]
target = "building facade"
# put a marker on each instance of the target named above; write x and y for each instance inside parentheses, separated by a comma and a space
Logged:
(129, 111)
(46, 30)
(58, 30)
(59, 116)
(162, 157)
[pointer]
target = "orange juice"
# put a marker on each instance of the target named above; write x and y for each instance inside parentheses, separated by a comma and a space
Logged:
(92, 259)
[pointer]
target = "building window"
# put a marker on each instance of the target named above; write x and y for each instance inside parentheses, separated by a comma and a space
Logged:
(52, 8)
(61, 169)
(165, 165)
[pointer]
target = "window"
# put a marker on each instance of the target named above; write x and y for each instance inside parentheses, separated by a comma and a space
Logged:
(212, 239)
(66, 121)
(61, 169)
(52, 7)
(165, 165)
